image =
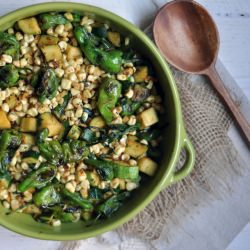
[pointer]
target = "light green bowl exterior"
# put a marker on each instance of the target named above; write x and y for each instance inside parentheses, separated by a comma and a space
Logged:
(174, 135)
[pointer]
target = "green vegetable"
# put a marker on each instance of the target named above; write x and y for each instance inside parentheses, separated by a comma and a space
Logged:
(126, 172)
(110, 61)
(10, 139)
(76, 199)
(59, 109)
(51, 20)
(30, 157)
(111, 169)
(5, 176)
(117, 131)
(148, 135)
(46, 84)
(95, 194)
(9, 45)
(79, 151)
(47, 196)
(112, 204)
(129, 107)
(57, 154)
(66, 152)
(38, 178)
(74, 132)
(9, 76)
(89, 136)
(42, 135)
(49, 153)
(109, 93)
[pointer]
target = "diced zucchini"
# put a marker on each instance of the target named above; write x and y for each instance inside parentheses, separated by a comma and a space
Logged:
(29, 26)
(147, 166)
(134, 148)
(148, 117)
(74, 132)
(126, 172)
(5, 123)
(28, 139)
(52, 52)
(47, 40)
(141, 74)
(114, 38)
(11, 101)
(30, 157)
(28, 124)
(50, 122)
(97, 122)
(93, 178)
(73, 52)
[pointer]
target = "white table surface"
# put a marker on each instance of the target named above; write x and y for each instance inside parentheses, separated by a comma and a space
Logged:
(233, 20)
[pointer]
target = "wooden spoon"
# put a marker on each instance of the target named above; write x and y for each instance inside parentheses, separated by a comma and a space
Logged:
(188, 38)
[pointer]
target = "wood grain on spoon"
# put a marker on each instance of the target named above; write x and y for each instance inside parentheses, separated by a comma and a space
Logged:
(188, 38)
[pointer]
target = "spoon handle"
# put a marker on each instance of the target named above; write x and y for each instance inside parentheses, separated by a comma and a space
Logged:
(224, 94)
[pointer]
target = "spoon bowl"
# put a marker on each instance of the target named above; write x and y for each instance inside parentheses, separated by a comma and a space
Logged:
(187, 35)
(188, 38)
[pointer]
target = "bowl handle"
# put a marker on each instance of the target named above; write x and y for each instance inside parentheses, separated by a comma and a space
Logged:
(188, 165)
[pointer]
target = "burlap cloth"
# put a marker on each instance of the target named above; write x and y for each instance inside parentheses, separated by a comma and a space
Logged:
(217, 164)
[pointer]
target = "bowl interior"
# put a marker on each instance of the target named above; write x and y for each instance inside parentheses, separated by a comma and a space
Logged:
(24, 224)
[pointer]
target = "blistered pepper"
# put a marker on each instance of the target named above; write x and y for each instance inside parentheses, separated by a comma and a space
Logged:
(77, 199)
(109, 61)
(38, 178)
(109, 93)
(51, 20)
(9, 45)
(46, 84)
(9, 76)
(47, 196)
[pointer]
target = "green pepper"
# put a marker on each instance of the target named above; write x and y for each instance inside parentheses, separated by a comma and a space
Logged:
(38, 178)
(5, 176)
(59, 109)
(110, 61)
(9, 76)
(47, 196)
(111, 169)
(129, 107)
(51, 20)
(77, 199)
(109, 94)
(66, 152)
(57, 154)
(89, 136)
(57, 148)
(9, 45)
(112, 204)
(47, 84)
(10, 139)
(47, 151)
(42, 135)
(79, 151)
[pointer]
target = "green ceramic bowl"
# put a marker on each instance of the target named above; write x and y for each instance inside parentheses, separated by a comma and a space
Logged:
(174, 137)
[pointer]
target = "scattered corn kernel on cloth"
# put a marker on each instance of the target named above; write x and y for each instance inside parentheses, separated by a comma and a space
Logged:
(207, 209)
